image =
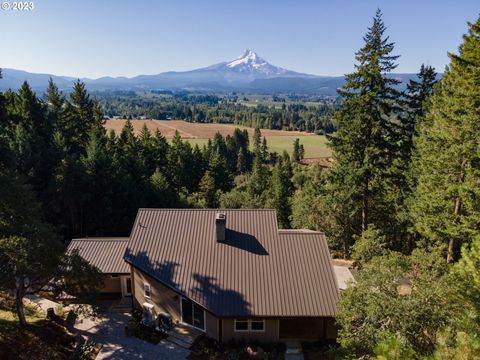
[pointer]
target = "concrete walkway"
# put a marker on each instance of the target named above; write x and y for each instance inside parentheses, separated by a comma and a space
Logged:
(42, 303)
(109, 332)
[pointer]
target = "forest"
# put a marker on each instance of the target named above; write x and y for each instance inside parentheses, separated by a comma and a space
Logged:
(307, 113)
(402, 198)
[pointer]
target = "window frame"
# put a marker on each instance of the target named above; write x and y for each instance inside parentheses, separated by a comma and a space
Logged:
(258, 321)
(249, 325)
(235, 322)
(204, 329)
(145, 285)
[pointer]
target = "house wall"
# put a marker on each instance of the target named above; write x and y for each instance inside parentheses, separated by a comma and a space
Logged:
(307, 328)
(111, 285)
(166, 300)
(162, 298)
(269, 335)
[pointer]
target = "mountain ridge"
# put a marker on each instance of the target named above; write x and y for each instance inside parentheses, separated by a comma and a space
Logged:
(249, 72)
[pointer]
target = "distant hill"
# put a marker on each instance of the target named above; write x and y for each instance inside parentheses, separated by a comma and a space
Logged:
(247, 73)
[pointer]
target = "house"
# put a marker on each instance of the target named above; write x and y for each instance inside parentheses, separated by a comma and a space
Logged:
(107, 255)
(231, 274)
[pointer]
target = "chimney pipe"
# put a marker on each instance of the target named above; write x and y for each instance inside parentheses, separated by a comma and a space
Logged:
(220, 226)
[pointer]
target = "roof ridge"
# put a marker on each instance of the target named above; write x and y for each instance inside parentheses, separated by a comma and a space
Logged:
(203, 209)
(102, 239)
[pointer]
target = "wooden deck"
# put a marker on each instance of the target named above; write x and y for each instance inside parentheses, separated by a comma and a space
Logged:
(184, 335)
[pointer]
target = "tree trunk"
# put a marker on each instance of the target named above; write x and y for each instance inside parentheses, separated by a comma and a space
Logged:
(19, 294)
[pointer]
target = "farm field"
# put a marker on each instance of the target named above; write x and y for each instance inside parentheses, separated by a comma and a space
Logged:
(278, 140)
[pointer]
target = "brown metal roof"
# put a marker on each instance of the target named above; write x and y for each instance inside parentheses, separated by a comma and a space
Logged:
(104, 253)
(257, 271)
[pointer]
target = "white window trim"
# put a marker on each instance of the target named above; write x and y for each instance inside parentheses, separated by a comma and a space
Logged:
(249, 325)
(149, 290)
(237, 321)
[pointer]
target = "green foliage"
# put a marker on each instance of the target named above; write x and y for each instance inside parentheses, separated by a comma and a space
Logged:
(446, 206)
(304, 114)
(85, 351)
(282, 190)
(402, 295)
(360, 182)
(369, 245)
(391, 347)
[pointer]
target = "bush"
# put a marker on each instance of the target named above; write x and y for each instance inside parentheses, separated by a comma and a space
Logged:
(86, 351)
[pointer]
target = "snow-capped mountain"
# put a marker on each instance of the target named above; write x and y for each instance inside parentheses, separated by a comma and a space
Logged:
(248, 72)
(248, 67)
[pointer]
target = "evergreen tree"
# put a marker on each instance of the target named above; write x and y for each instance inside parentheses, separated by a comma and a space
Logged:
(418, 91)
(98, 179)
(364, 144)
(447, 206)
(241, 161)
(257, 140)
(282, 190)
(296, 150)
(208, 191)
(301, 152)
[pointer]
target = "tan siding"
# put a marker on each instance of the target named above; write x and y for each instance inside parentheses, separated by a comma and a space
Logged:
(111, 285)
(211, 322)
(163, 299)
(166, 300)
(269, 335)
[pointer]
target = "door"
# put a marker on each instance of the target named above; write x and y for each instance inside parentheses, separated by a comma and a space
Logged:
(127, 286)
(192, 314)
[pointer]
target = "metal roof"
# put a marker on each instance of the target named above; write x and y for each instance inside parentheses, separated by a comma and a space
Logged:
(104, 253)
(257, 271)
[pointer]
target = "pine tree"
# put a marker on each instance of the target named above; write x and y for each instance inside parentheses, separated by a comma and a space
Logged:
(282, 190)
(447, 206)
(363, 146)
(98, 179)
(241, 161)
(208, 191)
(257, 140)
(301, 152)
(415, 101)
(418, 91)
(296, 150)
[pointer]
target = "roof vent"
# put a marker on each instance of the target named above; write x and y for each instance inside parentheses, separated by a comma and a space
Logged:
(220, 226)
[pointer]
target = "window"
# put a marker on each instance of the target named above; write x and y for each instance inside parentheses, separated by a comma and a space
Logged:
(241, 325)
(114, 276)
(146, 290)
(193, 314)
(249, 325)
(257, 325)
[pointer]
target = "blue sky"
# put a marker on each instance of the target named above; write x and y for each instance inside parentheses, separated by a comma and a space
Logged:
(125, 38)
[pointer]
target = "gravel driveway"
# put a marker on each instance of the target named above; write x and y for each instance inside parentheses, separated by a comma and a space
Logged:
(109, 332)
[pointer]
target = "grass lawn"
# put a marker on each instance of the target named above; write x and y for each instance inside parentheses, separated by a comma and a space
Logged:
(315, 145)
(40, 339)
